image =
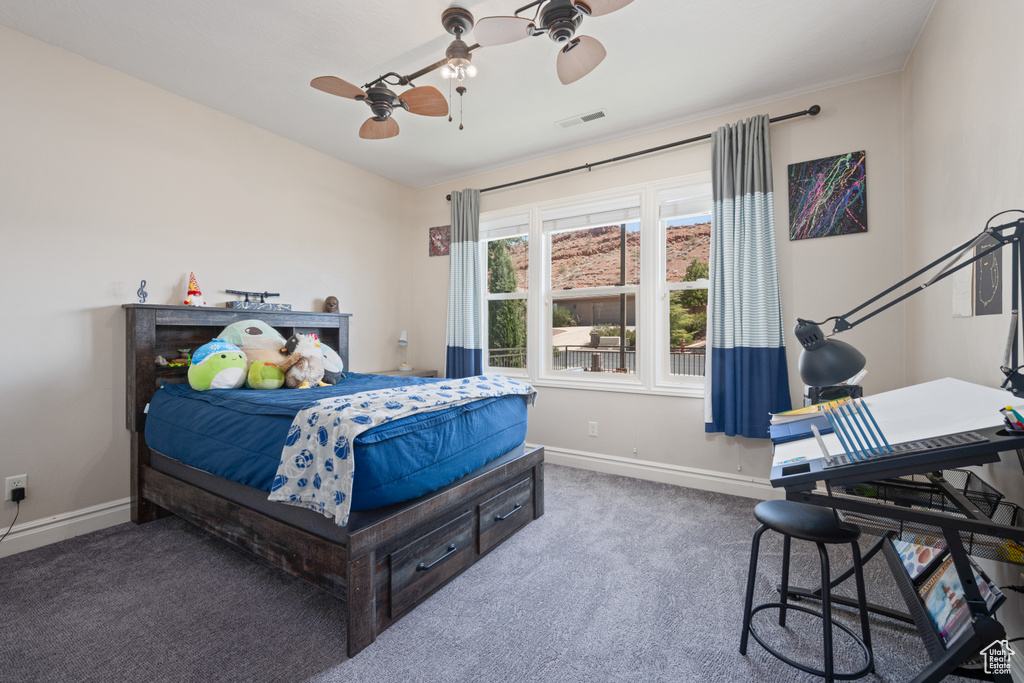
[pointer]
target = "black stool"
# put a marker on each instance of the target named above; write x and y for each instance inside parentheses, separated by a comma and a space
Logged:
(818, 525)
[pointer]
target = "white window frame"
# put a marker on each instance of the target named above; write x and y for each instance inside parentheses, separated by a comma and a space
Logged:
(695, 190)
(566, 208)
(651, 296)
(499, 226)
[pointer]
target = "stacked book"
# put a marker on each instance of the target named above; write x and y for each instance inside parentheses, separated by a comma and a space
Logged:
(795, 424)
(931, 571)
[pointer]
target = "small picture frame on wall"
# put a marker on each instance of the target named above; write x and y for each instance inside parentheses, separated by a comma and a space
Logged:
(828, 196)
(440, 240)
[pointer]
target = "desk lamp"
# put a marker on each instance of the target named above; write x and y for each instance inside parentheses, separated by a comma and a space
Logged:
(825, 361)
(403, 341)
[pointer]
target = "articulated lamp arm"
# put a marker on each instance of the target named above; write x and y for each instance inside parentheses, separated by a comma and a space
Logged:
(825, 361)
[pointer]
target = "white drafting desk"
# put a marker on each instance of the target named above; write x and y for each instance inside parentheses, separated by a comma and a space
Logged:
(922, 411)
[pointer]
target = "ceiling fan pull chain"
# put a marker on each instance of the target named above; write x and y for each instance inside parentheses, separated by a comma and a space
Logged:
(449, 99)
(462, 91)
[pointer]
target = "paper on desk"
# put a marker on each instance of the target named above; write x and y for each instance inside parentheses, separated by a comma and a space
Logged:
(944, 406)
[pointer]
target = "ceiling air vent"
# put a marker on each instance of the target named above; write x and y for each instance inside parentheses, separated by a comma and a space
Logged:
(582, 118)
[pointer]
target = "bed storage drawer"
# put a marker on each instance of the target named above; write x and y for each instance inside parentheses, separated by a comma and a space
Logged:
(505, 513)
(429, 561)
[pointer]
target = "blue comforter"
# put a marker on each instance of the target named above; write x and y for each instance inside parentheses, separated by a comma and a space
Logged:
(239, 434)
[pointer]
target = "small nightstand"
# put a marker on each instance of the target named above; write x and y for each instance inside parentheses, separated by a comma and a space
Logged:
(410, 373)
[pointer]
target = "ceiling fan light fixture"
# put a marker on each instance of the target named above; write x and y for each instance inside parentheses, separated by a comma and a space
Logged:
(459, 64)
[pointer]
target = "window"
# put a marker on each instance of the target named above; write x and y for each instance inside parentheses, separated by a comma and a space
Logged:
(506, 249)
(685, 221)
(593, 261)
(606, 291)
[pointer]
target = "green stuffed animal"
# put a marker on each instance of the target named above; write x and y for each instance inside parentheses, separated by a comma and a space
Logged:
(264, 375)
(217, 365)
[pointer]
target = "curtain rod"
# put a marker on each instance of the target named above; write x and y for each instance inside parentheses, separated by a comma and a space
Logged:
(813, 110)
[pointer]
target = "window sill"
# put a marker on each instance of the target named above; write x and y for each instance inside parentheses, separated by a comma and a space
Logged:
(508, 372)
(624, 387)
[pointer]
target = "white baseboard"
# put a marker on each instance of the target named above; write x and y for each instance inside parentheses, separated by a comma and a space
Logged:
(691, 477)
(42, 532)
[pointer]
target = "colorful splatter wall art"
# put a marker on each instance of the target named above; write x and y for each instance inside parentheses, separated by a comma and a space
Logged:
(440, 240)
(828, 197)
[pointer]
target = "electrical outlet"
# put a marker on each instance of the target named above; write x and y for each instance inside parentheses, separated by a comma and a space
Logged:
(592, 428)
(18, 482)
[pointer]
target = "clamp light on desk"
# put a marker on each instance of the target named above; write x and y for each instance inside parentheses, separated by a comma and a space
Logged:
(825, 361)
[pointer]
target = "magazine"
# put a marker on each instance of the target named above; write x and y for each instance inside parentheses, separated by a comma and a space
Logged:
(944, 601)
(917, 558)
(990, 592)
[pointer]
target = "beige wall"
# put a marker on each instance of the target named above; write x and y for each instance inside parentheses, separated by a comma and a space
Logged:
(105, 181)
(819, 277)
(965, 162)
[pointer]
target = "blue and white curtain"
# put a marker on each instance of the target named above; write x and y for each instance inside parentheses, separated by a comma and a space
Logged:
(748, 376)
(465, 334)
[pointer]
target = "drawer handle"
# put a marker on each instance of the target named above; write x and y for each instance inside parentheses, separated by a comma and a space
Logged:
(499, 518)
(423, 566)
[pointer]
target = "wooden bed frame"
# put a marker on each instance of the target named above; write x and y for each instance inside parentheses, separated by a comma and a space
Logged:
(386, 561)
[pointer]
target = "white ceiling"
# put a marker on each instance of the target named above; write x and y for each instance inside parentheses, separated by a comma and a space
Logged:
(668, 61)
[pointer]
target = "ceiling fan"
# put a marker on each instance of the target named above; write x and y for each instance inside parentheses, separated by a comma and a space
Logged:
(559, 19)
(425, 100)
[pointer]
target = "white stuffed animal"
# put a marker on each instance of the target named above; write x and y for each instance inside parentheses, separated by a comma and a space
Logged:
(303, 365)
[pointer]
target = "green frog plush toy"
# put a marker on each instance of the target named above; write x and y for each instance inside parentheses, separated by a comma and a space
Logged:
(217, 365)
(264, 375)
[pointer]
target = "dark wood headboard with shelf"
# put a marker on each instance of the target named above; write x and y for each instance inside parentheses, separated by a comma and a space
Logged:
(155, 330)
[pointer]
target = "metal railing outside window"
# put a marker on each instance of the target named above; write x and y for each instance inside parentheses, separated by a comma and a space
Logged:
(688, 361)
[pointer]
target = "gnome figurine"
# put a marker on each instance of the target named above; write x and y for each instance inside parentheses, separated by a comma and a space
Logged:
(194, 297)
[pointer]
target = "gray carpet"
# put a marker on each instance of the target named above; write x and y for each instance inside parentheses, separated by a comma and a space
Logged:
(621, 580)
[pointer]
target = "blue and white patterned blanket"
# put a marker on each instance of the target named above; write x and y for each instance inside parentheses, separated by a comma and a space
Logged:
(316, 463)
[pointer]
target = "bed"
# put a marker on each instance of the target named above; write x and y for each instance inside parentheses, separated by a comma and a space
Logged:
(386, 560)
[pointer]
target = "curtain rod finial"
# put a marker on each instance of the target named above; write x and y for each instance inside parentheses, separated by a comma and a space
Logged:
(814, 110)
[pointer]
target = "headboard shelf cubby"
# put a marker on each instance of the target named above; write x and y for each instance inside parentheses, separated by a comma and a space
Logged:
(161, 330)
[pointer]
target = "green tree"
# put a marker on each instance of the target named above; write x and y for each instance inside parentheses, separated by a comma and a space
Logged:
(506, 319)
(693, 298)
(687, 317)
(562, 317)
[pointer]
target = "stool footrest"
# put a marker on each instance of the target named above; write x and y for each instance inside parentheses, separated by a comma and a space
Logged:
(868, 666)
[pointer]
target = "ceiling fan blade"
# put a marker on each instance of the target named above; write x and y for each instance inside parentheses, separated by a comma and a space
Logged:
(336, 86)
(600, 7)
(425, 100)
(491, 31)
(373, 129)
(578, 58)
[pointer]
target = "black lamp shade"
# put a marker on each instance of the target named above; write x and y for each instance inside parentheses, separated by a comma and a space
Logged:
(825, 362)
